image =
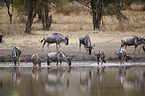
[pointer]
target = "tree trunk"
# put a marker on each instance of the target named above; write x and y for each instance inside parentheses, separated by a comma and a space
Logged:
(97, 13)
(48, 18)
(8, 7)
(30, 18)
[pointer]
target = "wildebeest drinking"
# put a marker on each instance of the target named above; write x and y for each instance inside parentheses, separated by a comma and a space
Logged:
(122, 55)
(36, 59)
(58, 57)
(100, 57)
(16, 53)
(85, 40)
(55, 38)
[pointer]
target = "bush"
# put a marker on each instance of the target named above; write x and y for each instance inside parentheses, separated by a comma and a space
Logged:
(71, 9)
(138, 6)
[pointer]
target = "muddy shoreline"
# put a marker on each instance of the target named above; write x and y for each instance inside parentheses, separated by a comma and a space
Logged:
(110, 57)
(72, 50)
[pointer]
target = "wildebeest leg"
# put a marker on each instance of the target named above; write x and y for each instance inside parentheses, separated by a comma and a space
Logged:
(80, 47)
(135, 48)
(60, 62)
(57, 63)
(57, 46)
(86, 50)
(19, 60)
(123, 60)
(48, 45)
(43, 45)
(48, 60)
(98, 56)
(12, 61)
(140, 48)
(126, 47)
(33, 63)
(100, 59)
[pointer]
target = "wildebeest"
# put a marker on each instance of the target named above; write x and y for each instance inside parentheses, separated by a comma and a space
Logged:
(55, 38)
(122, 55)
(134, 40)
(16, 53)
(58, 57)
(100, 57)
(85, 40)
(36, 59)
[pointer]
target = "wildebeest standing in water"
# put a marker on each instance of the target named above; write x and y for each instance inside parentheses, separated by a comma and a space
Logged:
(16, 53)
(134, 40)
(100, 57)
(36, 60)
(122, 55)
(55, 38)
(58, 57)
(85, 40)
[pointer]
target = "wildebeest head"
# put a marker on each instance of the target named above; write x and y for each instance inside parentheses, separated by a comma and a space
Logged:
(121, 56)
(69, 60)
(67, 40)
(15, 60)
(39, 62)
(141, 40)
(89, 48)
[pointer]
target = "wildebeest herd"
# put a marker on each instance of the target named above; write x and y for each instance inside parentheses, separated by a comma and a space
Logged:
(59, 56)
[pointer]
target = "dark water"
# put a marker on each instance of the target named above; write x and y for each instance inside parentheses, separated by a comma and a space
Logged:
(75, 81)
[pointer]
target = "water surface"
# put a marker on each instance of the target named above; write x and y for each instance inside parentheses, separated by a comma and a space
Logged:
(72, 81)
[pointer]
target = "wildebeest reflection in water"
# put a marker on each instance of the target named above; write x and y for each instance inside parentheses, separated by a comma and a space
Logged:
(85, 80)
(132, 80)
(15, 73)
(74, 81)
(57, 79)
(101, 72)
(36, 72)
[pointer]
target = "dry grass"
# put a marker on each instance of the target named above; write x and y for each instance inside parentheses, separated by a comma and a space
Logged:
(72, 25)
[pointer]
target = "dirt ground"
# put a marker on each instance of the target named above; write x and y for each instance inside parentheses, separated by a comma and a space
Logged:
(109, 42)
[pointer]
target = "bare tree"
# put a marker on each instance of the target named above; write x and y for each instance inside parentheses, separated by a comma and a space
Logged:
(30, 18)
(9, 3)
(48, 19)
(97, 13)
